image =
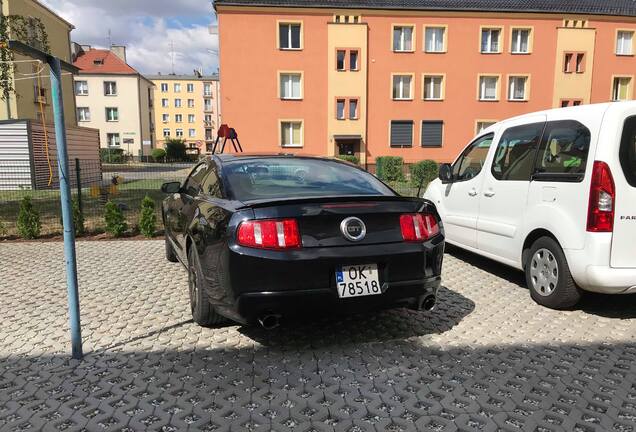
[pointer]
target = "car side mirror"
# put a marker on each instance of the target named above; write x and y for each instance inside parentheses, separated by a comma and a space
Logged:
(171, 187)
(446, 173)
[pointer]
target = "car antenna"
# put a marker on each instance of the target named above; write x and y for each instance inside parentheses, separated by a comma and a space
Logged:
(419, 188)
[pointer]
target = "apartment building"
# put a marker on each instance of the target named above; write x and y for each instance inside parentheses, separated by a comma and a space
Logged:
(187, 107)
(31, 98)
(414, 79)
(116, 99)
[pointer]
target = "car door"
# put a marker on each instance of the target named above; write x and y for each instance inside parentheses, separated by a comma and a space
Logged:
(460, 197)
(503, 201)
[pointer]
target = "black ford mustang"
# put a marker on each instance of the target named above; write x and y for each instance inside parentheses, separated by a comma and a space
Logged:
(264, 237)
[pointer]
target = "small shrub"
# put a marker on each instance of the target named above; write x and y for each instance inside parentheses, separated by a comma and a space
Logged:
(3, 230)
(423, 172)
(349, 158)
(147, 217)
(28, 223)
(115, 220)
(158, 154)
(389, 168)
(175, 149)
(111, 155)
(78, 218)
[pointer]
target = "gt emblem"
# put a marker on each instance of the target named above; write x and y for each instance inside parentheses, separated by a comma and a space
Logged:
(353, 229)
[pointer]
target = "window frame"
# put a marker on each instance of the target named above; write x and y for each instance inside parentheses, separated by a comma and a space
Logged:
(500, 39)
(624, 30)
(166, 86)
(348, 108)
(179, 105)
(630, 87)
(444, 49)
(166, 104)
(530, 31)
(191, 103)
(280, 85)
(570, 102)
(344, 108)
(178, 132)
(411, 87)
(178, 118)
(192, 133)
(440, 122)
(113, 134)
(413, 38)
(112, 110)
(402, 146)
(76, 88)
(165, 118)
(289, 23)
(478, 121)
(192, 118)
(442, 90)
(497, 89)
(302, 133)
(176, 87)
(526, 88)
(169, 134)
(107, 84)
(188, 87)
(86, 110)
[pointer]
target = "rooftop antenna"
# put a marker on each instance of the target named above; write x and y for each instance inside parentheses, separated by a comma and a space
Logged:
(110, 39)
(172, 55)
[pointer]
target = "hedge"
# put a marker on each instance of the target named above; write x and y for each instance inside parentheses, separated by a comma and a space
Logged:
(389, 168)
(423, 172)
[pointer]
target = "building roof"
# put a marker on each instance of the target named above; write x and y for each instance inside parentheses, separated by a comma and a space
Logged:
(590, 7)
(99, 61)
(174, 77)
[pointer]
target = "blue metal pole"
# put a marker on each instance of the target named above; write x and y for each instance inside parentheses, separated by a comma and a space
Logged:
(67, 212)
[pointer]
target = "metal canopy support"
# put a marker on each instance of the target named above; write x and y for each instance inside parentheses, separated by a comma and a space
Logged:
(65, 188)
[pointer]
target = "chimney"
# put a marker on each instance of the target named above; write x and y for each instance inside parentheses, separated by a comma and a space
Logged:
(119, 51)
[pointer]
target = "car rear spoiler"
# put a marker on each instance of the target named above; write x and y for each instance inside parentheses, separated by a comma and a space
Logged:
(335, 199)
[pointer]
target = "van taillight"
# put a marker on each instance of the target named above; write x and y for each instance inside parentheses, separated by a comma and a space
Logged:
(269, 234)
(600, 217)
(418, 227)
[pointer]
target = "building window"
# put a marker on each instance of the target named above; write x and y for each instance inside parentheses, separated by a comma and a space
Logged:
(621, 88)
(520, 41)
(290, 86)
(179, 133)
(190, 103)
(208, 134)
(353, 109)
(207, 89)
(291, 133)
(165, 118)
(347, 59)
(110, 88)
(190, 118)
(83, 114)
(177, 103)
(580, 63)
(517, 88)
(570, 102)
(490, 40)
(207, 104)
(208, 120)
(164, 87)
(482, 125)
(340, 108)
(192, 133)
(353, 60)
(166, 133)
(402, 87)
(341, 63)
(488, 88)
(434, 39)
(112, 114)
(289, 36)
(81, 88)
(165, 103)
(403, 38)
(177, 87)
(178, 118)
(190, 88)
(401, 133)
(432, 133)
(112, 139)
(433, 87)
(624, 42)
(574, 62)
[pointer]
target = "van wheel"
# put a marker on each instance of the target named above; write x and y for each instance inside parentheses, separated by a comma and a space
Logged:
(202, 311)
(548, 276)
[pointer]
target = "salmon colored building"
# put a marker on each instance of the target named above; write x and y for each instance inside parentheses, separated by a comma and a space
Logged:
(377, 78)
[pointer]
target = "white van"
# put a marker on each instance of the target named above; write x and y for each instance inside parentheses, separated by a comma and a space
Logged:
(551, 193)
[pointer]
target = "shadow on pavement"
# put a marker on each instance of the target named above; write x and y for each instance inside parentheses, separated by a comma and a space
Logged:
(502, 271)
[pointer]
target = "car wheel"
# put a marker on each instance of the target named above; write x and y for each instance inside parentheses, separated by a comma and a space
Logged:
(548, 275)
(170, 253)
(202, 311)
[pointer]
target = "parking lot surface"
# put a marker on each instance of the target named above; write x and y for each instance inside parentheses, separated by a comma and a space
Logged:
(486, 359)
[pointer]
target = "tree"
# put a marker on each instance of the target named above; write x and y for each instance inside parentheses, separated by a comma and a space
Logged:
(175, 149)
(115, 220)
(147, 217)
(28, 223)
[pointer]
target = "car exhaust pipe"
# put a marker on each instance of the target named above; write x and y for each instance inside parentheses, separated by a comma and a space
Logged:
(269, 322)
(429, 303)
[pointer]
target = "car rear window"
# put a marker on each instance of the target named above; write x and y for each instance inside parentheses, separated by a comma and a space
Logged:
(628, 150)
(276, 178)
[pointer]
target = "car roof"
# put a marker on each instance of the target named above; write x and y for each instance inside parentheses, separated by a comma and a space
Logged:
(232, 157)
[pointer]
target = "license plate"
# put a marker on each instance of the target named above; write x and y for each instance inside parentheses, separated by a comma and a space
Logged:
(358, 280)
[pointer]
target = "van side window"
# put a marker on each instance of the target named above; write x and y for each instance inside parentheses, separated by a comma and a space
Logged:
(627, 152)
(472, 160)
(516, 152)
(563, 151)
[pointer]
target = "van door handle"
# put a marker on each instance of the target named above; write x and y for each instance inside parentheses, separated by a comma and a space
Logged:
(489, 194)
(472, 192)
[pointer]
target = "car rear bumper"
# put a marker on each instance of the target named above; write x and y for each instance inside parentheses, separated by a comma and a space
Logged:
(610, 280)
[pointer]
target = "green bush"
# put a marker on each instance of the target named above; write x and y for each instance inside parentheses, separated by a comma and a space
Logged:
(389, 168)
(115, 220)
(111, 155)
(423, 172)
(176, 149)
(158, 154)
(28, 223)
(78, 218)
(349, 158)
(147, 217)
(3, 230)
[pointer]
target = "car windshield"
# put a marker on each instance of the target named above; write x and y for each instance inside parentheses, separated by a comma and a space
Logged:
(275, 178)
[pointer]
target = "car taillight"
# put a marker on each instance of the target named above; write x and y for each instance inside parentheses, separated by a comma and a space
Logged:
(269, 234)
(418, 227)
(600, 217)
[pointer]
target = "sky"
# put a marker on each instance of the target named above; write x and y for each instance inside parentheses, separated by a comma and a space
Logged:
(147, 27)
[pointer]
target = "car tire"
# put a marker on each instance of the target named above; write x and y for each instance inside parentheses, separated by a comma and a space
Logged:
(203, 312)
(171, 256)
(548, 275)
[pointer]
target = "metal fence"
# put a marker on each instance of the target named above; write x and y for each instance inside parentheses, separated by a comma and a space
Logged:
(93, 184)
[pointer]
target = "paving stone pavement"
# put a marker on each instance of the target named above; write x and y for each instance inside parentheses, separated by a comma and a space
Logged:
(486, 359)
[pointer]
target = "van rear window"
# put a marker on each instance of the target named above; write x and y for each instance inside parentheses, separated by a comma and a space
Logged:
(628, 150)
